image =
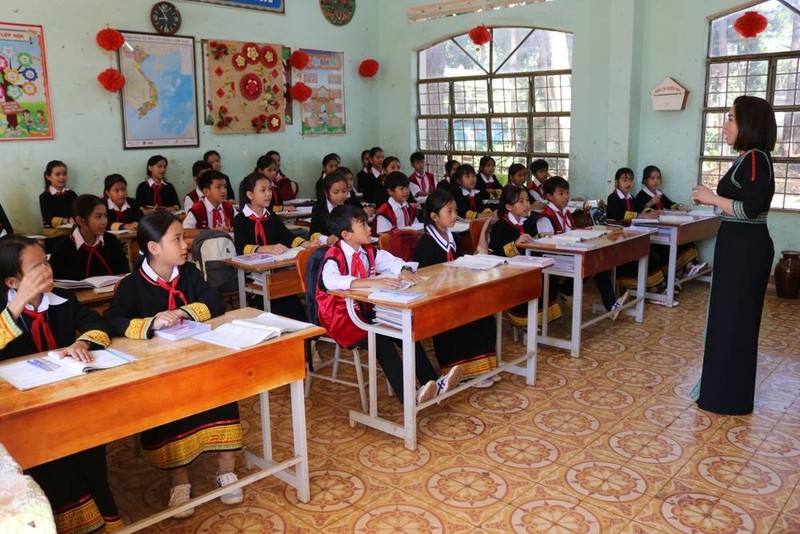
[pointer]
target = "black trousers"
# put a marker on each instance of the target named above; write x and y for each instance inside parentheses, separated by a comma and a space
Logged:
(388, 353)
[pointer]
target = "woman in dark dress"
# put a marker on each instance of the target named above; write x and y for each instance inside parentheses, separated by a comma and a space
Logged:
(742, 260)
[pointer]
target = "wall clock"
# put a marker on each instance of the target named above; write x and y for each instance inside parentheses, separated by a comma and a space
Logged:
(338, 12)
(165, 17)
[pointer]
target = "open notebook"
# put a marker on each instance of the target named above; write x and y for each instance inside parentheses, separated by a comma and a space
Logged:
(242, 333)
(94, 282)
(33, 372)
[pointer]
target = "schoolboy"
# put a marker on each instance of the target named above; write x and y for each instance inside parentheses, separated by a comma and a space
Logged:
(198, 167)
(396, 211)
(421, 181)
(346, 265)
(213, 211)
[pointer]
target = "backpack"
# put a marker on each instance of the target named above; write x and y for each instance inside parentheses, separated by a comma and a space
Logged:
(313, 273)
(403, 243)
(208, 248)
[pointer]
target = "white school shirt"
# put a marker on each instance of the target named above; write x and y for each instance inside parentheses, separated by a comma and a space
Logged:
(444, 244)
(516, 221)
(48, 299)
(486, 179)
(384, 224)
(657, 194)
(543, 225)
(113, 207)
(152, 275)
(375, 172)
(188, 202)
(384, 263)
(191, 222)
(78, 238)
(54, 191)
(536, 196)
(323, 239)
(621, 195)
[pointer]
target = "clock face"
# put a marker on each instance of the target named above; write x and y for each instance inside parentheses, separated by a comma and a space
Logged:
(166, 18)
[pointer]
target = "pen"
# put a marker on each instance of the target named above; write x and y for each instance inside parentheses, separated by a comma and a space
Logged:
(41, 365)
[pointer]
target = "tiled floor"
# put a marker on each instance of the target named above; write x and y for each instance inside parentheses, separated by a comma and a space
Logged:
(609, 442)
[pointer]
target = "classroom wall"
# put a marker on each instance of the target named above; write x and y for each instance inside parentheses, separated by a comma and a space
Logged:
(87, 119)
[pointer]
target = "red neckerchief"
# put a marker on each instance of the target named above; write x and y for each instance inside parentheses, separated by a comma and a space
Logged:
(448, 246)
(120, 215)
(537, 188)
(406, 216)
(261, 235)
(357, 268)
(94, 252)
(216, 217)
(490, 183)
(157, 194)
(171, 287)
(40, 331)
(517, 226)
(560, 218)
(627, 199)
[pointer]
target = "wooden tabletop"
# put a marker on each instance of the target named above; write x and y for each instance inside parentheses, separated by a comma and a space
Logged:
(169, 380)
(269, 266)
(701, 227)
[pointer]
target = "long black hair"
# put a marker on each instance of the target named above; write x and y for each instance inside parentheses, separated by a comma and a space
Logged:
(153, 227)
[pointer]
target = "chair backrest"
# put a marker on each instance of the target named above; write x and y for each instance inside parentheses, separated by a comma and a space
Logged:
(482, 247)
(475, 227)
(309, 263)
(295, 187)
(383, 241)
(400, 243)
(208, 249)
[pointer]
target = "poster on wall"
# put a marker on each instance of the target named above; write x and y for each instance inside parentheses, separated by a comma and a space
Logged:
(159, 100)
(246, 87)
(25, 112)
(275, 6)
(323, 113)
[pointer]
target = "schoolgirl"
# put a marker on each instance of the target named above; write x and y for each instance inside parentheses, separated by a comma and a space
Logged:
(55, 202)
(470, 202)
(447, 183)
(37, 318)
(329, 164)
(164, 290)
(124, 212)
(89, 250)
(335, 194)
(266, 166)
(390, 164)
(487, 181)
(369, 184)
(155, 192)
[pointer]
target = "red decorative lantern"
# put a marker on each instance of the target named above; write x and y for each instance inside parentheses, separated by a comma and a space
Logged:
(750, 24)
(109, 39)
(300, 92)
(299, 59)
(368, 68)
(111, 80)
(480, 35)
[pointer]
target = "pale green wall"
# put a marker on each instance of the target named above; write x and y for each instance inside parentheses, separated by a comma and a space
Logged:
(87, 118)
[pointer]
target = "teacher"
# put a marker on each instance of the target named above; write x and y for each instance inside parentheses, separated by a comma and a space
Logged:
(742, 259)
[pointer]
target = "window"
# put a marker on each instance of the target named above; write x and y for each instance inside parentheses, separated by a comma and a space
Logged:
(769, 67)
(510, 98)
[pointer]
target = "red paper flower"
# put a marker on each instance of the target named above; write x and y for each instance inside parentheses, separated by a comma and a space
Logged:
(480, 35)
(368, 68)
(750, 24)
(238, 61)
(111, 80)
(274, 123)
(250, 86)
(300, 92)
(299, 59)
(269, 57)
(109, 39)
(251, 53)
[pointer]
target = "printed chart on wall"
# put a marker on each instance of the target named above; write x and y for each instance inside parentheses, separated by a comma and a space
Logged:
(24, 94)
(323, 113)
(159, 100)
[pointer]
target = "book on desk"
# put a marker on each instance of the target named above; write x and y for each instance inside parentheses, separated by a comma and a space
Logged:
(38, 371)
(93, 282)
(243, 333)
(182, 330)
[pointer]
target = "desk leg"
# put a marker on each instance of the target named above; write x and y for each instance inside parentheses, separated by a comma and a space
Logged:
(673, 260)
(372, 364)
(242, 292)
(498, 338)
(530, 373)
(577, 306)
(545, 308)
(265, 290)
(641, 284)
(266, 426)
(300, 443)
(409, 383)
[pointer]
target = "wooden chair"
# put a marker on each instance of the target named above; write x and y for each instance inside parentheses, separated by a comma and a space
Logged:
(301, 261)
(295, 187)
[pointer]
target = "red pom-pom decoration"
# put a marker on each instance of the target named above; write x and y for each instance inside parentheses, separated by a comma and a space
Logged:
(109, 39)
(368, 68)
(480, 35)
(299, 60)
(750, 24)
(111, 80)
(300, 92)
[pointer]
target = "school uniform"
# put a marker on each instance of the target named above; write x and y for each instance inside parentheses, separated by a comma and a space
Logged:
(5, 224)
(191, 198)
(490, 184)
(319, 186)
(362, 178)
(471, 345)
(536, 191)
(424, 182)
(371, 185)
(445, 185)
(73, 259)
(470, 203)
(320, 215)
(276, 203)
(137, 300)
(687, 253)
(149, 194)
(56, 206)
(284, 186)
(205, 215)
(341, 265)
(76, 485)
(128, 213)
(392, 214)
(352, 200)
(620, 207)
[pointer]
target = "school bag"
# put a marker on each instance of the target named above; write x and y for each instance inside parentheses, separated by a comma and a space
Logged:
(313, 272)
(208, 249)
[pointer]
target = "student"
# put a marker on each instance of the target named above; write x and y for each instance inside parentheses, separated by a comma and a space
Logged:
(163, 291)
(196, 194)
(266, 166)
(213, 158)
(56, 201)
(37, 318)
(124, 212)
(556, 219)
(487, 181)
(390, 164)
(472, 345)
(282, 182)
(396, 211)
(5, 224)
(447, 182)
(346, 265)
(371, 186)
(213, 211)
(470, 202)
(352, 199)
(329, 164)
(620, 209)
(335, 190)
(89, 250)
(539, 174)
(363, 174)
(421, 180)
(652, 198)
(518, 176)
(155, 192)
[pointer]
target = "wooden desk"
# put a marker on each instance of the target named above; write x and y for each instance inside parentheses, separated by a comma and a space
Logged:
(454, 297)
(278, 279)
(607, 253)
(59, 419)
(676, 234)
(302, 212)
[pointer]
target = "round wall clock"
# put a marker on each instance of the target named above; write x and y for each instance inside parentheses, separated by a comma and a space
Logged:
(338, 12)
(165, 17)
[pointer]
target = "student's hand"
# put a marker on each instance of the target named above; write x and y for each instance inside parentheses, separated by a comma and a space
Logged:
(649, 215)
(522, 239)
(78, 350)
(332, 240)
(411, 276)
(37, 281)
(544, 234)
(130, 226)
(272, 249)
(290, 208)
(379, 283)
(168, 318)
(681, 207)
(308, 244)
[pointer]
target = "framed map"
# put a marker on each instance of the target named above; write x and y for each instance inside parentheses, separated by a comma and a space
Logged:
(264, 5)
(25, 112)
(159, 100)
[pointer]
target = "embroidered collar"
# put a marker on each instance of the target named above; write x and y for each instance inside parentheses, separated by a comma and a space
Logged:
(48, 299)
(151, 274)
(79, 241)
(54, 191)
(444, 244)
(621, 195)
(110, 205)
